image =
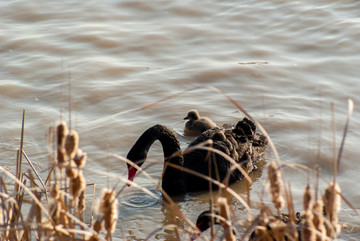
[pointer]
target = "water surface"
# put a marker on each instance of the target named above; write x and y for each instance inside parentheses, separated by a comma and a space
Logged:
(285, 62)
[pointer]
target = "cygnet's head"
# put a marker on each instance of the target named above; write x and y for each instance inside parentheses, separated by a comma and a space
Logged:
(192, 115)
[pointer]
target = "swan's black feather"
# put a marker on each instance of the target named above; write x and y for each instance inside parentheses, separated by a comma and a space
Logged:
(241, 143)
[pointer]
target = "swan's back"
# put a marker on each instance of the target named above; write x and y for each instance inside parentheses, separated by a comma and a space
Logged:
(241, 143)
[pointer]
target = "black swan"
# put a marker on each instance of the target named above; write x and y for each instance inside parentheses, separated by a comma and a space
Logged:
(241, 143)
(208, 218)
(196, 124)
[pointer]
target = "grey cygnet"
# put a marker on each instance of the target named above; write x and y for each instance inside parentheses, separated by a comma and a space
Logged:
(196, 124)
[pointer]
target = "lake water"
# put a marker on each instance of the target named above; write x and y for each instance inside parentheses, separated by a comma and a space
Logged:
(285, 62)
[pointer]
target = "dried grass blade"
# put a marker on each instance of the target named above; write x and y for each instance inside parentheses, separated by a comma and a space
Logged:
(348, 203)
(11, 176)
(36, 173)
(21, 142)
(92, 204)
(167, 98)
(350, 112)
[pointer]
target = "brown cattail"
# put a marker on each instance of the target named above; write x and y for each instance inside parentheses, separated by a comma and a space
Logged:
(308, 230)
(97, 226)
(81, 203)
(225, 213)
(307, 199)
(71, 170)
(2, 217)
(318, 220)
(332, 204)
(107, 206)
(275, 186)
(54, 204)
(77, 185)
(94, 238)
(80, 158)
(61, 158)
(61, 132)
(277, 230)
(71, 144)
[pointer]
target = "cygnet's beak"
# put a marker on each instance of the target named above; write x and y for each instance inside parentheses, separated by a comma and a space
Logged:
(186, 118)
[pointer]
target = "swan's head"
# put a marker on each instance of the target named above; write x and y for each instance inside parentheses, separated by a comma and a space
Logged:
(204, 221)
(133, 165)
(208, 218)
(131, 173)
(192, 115)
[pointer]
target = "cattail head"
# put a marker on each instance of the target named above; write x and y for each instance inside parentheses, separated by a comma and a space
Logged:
(71, 170)
(332, 204)
(80, 158)
(61, 158)
(61, 132)
(81, 202)
(307, 199)
(107, 206)
(277, 230)
(71, 144)
(308, 230)
(318, 220)
(275, 186)
(77, 185)
(97, 226)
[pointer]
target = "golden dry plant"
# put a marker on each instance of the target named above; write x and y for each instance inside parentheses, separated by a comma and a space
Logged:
(106, 210)
(52, 209)
(317, 222)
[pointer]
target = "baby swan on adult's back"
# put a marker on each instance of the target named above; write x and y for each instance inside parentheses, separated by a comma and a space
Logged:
(196, 124)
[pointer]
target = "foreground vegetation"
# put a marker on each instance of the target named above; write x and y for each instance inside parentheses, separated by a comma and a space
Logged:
(53, 209)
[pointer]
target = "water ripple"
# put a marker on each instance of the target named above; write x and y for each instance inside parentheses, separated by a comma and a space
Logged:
(141, 200)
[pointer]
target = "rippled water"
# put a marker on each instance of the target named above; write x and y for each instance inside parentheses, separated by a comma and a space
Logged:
(285, 62)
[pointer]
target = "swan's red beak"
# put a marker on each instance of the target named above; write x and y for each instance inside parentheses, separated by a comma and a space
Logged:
(131, 174)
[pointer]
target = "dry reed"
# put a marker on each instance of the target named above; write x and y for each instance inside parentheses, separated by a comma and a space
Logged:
(275, 186)
(107, 210)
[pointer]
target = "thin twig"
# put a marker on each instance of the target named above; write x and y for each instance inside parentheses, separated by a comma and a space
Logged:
(11, 176)
(92, 205)
(36, 173)
(21, 142)
(350, 111)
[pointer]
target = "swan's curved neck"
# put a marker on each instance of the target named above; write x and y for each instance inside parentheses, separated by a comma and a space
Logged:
(172, 177)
